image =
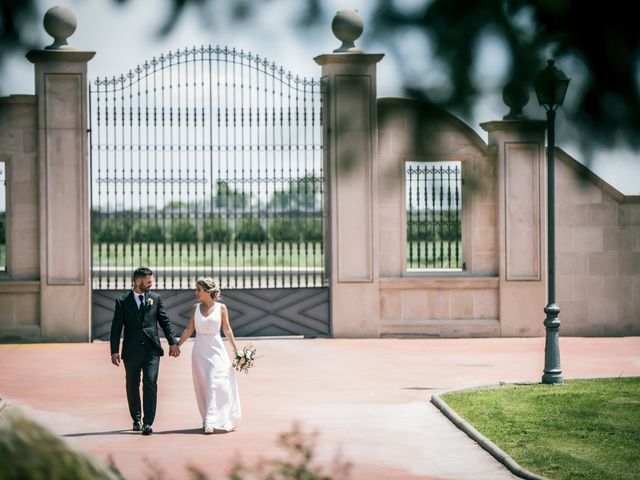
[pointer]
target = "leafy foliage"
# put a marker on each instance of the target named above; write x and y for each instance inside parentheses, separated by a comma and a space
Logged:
(113, 230)
(29, 450)
(148, 231)
(227, 197)
(313, 229)
(183, 231)
(606, 96)
(216, 230)
(601, 44)
(302, 194)
(284, 230)
(433, 226)
(298, 463)
(250, 231)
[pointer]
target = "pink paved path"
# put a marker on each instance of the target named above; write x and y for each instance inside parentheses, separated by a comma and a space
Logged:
(368, 399)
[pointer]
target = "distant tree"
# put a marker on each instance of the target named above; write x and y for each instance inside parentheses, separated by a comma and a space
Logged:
(313, 229)
(285, 229)
(148, 231)
(226, 197)
(177, 205)
(601, 41)
(116, 229)
(216, 230)
(302, 194)
(250, 231)
(183, 231)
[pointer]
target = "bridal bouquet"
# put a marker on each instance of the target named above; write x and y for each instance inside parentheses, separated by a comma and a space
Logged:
(244, 358)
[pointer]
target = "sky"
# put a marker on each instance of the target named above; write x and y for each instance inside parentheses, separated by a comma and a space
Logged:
(126, 35)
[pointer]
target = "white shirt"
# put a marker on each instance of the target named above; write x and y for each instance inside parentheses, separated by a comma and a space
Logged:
(137, 299)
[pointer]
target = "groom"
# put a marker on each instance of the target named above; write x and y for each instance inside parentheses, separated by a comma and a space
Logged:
(140, 311)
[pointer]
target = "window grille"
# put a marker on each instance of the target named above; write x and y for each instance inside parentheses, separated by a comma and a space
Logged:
(434, 216)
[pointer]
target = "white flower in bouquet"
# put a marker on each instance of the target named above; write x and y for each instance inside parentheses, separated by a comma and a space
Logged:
(244, 358)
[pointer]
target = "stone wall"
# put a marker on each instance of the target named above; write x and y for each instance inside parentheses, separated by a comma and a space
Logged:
(598, 254)
(501, 291)
(20, 284)
(597, 235)
(429, 303)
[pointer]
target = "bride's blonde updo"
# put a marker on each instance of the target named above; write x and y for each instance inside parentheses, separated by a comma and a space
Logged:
(209, 285)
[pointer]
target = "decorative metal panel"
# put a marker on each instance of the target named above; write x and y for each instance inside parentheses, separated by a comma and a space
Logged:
(252, 312)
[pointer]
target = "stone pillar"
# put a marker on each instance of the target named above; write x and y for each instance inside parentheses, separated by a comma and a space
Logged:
(350, 134)
(521, 218)
(65, 263)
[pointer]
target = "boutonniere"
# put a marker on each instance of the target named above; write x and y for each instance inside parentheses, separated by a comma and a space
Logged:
(149, 301)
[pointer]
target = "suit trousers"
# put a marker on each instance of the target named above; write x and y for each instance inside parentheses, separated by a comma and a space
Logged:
(144, 360)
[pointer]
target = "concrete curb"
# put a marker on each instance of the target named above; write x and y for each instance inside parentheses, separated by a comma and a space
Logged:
(483, 441)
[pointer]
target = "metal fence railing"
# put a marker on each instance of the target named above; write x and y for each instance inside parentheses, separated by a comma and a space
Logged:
(434, 215)
(207, 161)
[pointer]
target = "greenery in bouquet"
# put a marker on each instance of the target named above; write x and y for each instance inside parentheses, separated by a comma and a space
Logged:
(245, 358)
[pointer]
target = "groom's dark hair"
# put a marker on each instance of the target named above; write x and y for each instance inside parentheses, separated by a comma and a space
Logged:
(142, 272)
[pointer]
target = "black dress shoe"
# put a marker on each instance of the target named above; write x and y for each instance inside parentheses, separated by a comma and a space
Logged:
(137, 426)
(147, 430)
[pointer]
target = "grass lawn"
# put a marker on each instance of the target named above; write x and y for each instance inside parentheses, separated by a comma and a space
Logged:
(586, 429)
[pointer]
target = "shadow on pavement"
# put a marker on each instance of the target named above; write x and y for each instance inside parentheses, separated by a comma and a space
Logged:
(90, 434)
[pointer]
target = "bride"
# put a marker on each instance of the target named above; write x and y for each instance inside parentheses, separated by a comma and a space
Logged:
(214, 378)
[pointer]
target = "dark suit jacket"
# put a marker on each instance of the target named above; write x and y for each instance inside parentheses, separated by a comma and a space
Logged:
(139, 326)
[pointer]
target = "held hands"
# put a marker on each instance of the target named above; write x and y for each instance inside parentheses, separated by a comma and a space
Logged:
(174, 351)
(115, 359)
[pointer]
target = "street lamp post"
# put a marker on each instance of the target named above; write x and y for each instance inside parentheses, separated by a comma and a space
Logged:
(551, 86)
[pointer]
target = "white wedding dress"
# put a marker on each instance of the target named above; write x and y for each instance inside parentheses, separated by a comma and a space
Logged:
(214, 378)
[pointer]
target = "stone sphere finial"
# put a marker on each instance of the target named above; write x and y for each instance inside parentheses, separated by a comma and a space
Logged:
(60, 23)
(515, 96)
(347, 26)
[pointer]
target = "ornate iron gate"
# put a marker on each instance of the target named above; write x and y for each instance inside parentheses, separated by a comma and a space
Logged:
(208, 161)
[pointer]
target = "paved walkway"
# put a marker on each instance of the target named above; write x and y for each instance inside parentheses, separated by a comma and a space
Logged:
(368, 399)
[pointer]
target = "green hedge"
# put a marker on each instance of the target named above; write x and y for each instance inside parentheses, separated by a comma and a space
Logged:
(217, 231)
(431, 230)
(284, 230)
(313, 229)
(113, 230)
(127, 229)
(148, 231)
(250, 231)
(184, 231)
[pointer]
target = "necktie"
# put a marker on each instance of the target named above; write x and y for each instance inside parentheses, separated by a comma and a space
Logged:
(141, 297)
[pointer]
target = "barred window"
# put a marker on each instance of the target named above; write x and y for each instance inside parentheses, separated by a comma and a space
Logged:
(434, 216)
